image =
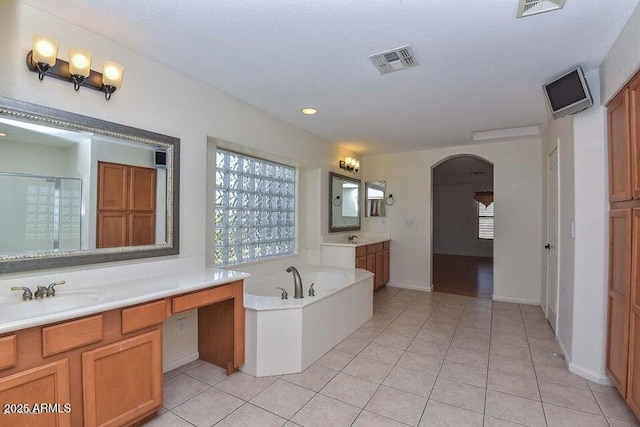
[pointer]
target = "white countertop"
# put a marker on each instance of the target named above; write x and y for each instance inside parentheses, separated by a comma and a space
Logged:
(359, 242)
(75, 300)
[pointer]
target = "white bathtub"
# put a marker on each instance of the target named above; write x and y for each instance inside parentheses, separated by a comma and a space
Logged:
(286, 336)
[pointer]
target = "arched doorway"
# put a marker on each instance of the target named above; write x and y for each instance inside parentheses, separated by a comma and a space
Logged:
(463, 223)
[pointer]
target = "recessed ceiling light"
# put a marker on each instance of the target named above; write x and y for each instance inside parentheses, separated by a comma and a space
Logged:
(309, 111)
(2, 134)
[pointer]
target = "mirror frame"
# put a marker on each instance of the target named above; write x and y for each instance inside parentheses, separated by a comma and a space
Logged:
(25, 111)
(333, 229)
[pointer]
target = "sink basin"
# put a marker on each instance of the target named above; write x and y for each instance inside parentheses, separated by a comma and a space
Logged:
(16, 309)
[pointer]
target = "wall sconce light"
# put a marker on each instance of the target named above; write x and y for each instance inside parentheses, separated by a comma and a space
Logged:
(43, 60)
(350, 164)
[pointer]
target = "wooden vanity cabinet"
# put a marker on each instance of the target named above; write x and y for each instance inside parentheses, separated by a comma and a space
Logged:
(48, 383)
(623, 324)
(105, 374)
(108, 366)
(122, 382)
(376, 259)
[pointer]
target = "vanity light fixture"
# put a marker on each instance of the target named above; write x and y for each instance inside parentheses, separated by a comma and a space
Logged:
(309, 111)
(43, 60)
(350, 164)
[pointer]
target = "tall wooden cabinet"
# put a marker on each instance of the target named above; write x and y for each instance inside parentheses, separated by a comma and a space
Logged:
(623, 326)
(126, 205)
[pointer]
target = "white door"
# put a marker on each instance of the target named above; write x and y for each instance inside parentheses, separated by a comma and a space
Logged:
(552, 241)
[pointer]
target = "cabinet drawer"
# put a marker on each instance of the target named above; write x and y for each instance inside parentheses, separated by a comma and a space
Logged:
(372, 249)
(361, 251)
(387, 245)
(8, 357)
(201, 298)
(69, 335)
(143, 316)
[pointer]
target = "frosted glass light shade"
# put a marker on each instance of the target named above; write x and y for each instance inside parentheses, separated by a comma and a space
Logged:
(79, 62)
(45, 50)
(348, 161)
(357, 165)
(112, 74)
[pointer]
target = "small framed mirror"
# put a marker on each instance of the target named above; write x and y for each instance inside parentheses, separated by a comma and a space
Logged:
(344, 207)
(375, 199)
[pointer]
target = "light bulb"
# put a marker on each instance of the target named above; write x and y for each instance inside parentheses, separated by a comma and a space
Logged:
(112, 74)
(45, 50)
(79, 62)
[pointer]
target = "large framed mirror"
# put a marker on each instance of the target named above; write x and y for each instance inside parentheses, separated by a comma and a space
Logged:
(344, 207)
(375, 205)
(75, 190)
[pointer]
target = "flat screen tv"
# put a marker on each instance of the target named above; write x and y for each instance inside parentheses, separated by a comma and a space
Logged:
(568, 93)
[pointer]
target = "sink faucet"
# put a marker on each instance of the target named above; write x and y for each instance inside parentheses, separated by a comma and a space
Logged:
(41, 292)
(51, 289)
(351, 237)
(297, 282)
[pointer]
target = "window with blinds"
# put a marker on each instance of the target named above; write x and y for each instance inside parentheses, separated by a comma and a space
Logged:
(254, 209)
(485, 221)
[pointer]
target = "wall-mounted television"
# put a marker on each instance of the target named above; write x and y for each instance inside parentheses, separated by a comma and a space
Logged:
(568, 93)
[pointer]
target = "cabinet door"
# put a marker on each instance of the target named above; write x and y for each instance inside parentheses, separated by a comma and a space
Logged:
(619, 148)
(618, 297)
(378, 280)
(634, 101)
(112, 186)
(142, 189)
(44, 384)
(142, 229)
(371, 263)
(112, 229)
(361, 262)
(633, 387)
(122, 381)
(387, 262)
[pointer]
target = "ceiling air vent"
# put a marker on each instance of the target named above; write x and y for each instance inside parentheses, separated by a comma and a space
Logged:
(533, 7)
(394, 60)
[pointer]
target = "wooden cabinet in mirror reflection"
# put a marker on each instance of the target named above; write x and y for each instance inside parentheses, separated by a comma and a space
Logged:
(126, 205)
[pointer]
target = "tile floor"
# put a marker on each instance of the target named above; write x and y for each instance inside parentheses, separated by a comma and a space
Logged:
(425, 359)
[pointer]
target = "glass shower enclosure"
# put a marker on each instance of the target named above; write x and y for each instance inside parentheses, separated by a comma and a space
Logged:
(39, 214)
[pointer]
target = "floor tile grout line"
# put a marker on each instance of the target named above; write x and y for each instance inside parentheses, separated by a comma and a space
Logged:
(544, 412)
(486, 392)
(383, 380)
(440, 370)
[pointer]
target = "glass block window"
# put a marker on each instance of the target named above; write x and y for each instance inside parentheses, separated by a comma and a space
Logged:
(254, 209)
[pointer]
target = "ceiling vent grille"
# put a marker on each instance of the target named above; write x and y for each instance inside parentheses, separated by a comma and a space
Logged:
(394, 60)
(533, 7)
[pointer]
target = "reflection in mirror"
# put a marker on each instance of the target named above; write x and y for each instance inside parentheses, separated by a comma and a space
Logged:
(75, 190)
(375, 205)
(344, 214)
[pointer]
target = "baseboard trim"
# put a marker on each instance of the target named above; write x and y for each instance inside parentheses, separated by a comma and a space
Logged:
(414, 288)
(516, 300)
(565, 353)
(181, 361)
(591, 376)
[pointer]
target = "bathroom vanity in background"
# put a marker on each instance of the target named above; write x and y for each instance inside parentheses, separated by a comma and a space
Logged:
(371, 253)
(104, 360)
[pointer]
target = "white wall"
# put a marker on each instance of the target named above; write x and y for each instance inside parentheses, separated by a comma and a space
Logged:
(517, 193)
(160, 99)
(455, 221)
(559, 135)
(623, 59)
(591, 242)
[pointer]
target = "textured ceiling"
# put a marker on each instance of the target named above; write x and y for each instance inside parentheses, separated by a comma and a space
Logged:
(481, 68)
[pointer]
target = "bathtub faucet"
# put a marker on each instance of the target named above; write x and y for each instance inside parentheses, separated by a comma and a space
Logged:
(297, 283)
